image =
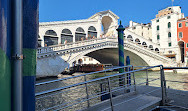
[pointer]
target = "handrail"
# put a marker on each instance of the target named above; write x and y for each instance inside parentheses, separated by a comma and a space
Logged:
(93, 80)
(38, 84)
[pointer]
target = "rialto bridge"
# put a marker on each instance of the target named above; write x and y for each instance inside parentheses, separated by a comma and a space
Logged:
(62, 43)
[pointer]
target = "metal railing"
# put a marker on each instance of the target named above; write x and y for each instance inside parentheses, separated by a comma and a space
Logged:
(91, 91)
(176, 96)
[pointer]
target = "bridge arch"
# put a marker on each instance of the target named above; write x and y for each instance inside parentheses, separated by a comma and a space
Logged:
(80, 34)
(92, 32)
(66, 36)
(50, 38)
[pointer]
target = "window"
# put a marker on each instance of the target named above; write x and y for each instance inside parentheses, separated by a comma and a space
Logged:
(168, 17)
(186, 24)
(169, 24)
(90, 59)
(157, 27)
(170, 44)
(157, 20)
(180, 25)
(180, 34)
(158, 37)
(169, 34)
(187, 45)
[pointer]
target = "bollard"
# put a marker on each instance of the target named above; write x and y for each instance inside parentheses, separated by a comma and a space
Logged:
(121, 52)
(5, 57)
(30, 36)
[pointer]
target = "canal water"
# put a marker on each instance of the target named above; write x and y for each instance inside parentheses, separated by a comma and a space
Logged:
(69, 95)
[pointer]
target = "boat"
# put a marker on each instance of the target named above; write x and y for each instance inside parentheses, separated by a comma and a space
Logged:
(88, 67)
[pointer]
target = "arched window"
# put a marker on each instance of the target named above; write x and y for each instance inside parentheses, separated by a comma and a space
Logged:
(66, 36)
(158, 37)
(92, 32)
(169, 25)
(169, 34)
(51, 32)
(50, 38)
(180, 25)
(80, 34)
(158, 27)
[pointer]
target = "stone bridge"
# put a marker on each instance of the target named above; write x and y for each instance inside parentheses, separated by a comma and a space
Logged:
(52, 60)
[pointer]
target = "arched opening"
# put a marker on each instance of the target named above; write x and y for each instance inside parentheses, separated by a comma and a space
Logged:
(157, 50)
(50, 38)
(144, 44)
(92, 32)
(182, 51)
(151, 47)
(110, 56)
(80, 34)
(137, 41)
(39, 41)
(66, 36)
(129, 37)
(107, 26)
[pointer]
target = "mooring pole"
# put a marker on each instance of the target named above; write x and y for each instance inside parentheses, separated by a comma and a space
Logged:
(128, 69)
(121, 52)
(17, 55)
(5, 56)
(30, 36)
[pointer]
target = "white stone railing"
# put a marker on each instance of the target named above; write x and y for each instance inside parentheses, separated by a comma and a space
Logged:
(88, 44)
(53, 48)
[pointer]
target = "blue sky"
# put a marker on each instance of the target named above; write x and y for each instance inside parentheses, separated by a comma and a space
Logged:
(141, 11)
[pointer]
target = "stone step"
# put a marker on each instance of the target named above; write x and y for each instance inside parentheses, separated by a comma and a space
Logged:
(132, 102)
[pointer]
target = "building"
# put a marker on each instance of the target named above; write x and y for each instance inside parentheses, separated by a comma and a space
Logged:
(164, 30)
(62, 32)
(182, 38)
(143, 30)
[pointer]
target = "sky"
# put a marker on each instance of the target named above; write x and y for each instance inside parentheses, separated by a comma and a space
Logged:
(141, 11)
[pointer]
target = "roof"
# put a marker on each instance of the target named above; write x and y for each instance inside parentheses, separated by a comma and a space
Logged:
(104, 12)
(66, 22)
(186, 18)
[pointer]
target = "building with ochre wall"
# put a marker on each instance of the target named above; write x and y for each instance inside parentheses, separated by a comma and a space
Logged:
(141, 29)
(182, 32)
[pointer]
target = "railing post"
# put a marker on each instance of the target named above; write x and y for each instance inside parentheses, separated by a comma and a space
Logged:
(110, 91)
(88, 105)
(134, 79)
(147, 83)
(162, 85)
